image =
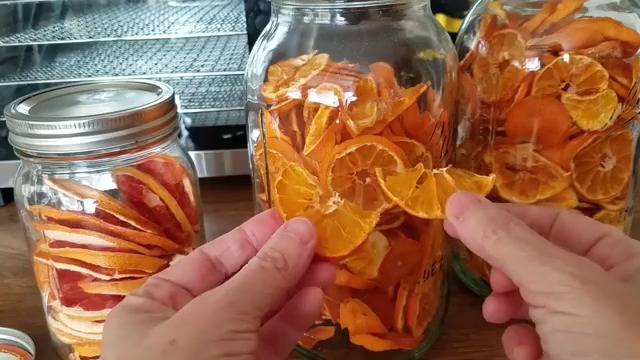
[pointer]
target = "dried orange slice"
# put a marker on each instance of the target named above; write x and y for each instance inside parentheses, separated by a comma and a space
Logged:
(318, 128)
(116, 287)
(559, 10)
(613, 218)
(570, 74)
(389, 341)
(498, 73)
(358, 318)
(351, 172)
(423, 193)
(82, 221)
(269, 127)
(279, 154)
(41, 273)
(391, 219)
(414, 151)
(401, 260)
(341, 225)
(365, 260)
(362, 109)
(399, 309)
(107, 208)
(602, 168)
(145, 194)
(392, 108)
(566, 198)
(290, 75)
(318, 333)
(91, 240)
(539, 119)
(524, 176)
(385, 78)
(592, 112)
(347, 279)
(487, 26)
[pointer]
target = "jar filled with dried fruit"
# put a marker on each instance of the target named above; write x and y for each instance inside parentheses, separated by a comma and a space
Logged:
(351, 115)
(550, 106)
(107, 197)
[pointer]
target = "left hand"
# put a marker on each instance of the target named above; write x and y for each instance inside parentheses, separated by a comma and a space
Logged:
(250, 294)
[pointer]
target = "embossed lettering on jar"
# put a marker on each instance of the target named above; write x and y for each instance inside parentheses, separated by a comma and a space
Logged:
(549, 105)
(107, 196)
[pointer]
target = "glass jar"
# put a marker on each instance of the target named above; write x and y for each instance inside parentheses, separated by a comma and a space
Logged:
(549, 93)
(345, 100)
(107, 197)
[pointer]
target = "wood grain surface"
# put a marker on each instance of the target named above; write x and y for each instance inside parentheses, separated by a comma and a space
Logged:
(227, 202)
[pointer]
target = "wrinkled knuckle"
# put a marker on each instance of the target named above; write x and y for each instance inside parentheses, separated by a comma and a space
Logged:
(275, 261)
(495, 232)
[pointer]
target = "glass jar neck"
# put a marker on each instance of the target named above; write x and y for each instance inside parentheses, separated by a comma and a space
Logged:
(289, 9)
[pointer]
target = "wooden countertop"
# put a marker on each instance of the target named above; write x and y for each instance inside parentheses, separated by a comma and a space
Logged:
(227, 203)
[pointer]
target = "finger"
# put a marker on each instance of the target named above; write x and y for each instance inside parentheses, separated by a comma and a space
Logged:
(277, 267)
(209, 265)
(280, 334)
(501, 308)
(500, 282)
(579, 234)
(521, 342)
(507, 243)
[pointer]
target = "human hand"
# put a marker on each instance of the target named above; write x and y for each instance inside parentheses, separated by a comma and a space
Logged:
(575, 279)
(209, 305)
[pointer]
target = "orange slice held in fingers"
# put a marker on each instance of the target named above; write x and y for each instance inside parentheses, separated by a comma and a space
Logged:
(148, 196)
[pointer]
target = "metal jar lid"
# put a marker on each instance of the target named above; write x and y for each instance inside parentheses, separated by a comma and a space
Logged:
(91, 117)
(18, 339)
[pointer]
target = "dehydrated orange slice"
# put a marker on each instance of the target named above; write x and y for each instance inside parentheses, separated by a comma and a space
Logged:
(566, 198)
(615, 204)
(392, 108)
(174, 176)
(116, 287)
(358, 318)
(318, 333)
(341, 225)
(391, 219)
(540, 119)
(423, 193)
(349, 280)
(602, 168)
(389, 341)
(82, 221)
(607, 49)
(401, 260)
(553, 12)
(41, 273)
(524, 176)
(365, 260)
(382, 305)
(362, 109)
(399, 309)
(487, 26)
(570, 74)
(592, 112)
(291, 74)
(120, 214)
(613, 218)
(414, 151)
(79, 238)
(108, 259)
(385, 78)
(269, 128)
(351, 172)
(498, 73)
(148, 196)
(279, 154)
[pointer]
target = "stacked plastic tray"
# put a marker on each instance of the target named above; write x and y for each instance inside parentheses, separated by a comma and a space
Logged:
(197, 46)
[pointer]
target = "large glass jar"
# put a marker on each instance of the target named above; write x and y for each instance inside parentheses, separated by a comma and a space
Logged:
(549, 95)
(348, 103)
(107, 197)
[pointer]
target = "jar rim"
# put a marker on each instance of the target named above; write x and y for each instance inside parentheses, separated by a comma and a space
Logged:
(340, 4)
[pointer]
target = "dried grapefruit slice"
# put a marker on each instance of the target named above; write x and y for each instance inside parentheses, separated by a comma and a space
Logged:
(174, 176)
(82, 221)
(74, 299)
(86, 239)
(570, 74)
(76, 313)
(341, 225)
(124, 216)
(602, 168)
(539, 119)
(351, 172)
(365, 260)
(358, 318)
(592, 112)
(116, 287)
(389, 341)
(148, 196)
(524, 176)
(87, 349)
(67, 334)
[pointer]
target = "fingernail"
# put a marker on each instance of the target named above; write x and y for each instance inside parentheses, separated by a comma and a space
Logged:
(459, 203)
(301, 228)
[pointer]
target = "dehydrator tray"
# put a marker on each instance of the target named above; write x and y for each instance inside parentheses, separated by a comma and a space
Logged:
(86, 20)
(220, 55)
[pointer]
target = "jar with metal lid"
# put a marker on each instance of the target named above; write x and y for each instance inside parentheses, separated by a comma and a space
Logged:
(107, 196)
(350, 108)
(549, 95)
(16, 345)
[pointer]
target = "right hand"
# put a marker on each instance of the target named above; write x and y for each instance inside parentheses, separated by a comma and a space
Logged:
(575, 279)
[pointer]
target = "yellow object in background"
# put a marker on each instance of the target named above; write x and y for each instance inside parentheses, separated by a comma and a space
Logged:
(452, 25)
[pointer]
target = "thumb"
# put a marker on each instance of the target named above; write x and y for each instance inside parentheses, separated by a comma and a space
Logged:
(507, 243)
(275, 269)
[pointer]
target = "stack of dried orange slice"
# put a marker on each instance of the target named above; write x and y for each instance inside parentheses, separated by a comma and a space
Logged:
(548, 100)
(94, 249)
(365, 159)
